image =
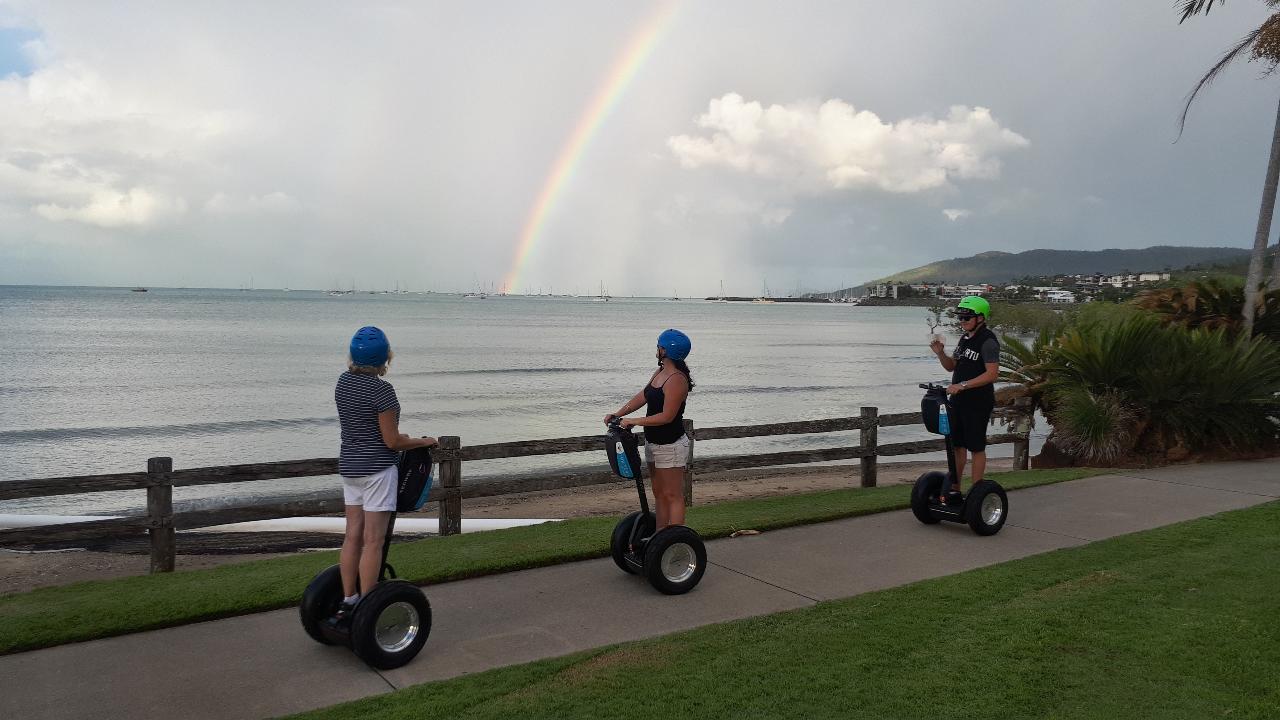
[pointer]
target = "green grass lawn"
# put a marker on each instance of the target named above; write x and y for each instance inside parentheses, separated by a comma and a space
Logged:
(1178, 622)
(83, 611)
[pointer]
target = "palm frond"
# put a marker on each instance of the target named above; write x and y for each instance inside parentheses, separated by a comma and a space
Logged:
(1226, 59)
(1195, 7)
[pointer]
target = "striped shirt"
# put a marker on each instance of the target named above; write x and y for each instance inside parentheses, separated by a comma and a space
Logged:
(360, 398)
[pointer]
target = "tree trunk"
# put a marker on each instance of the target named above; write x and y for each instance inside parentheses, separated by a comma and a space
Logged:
(1253, 280)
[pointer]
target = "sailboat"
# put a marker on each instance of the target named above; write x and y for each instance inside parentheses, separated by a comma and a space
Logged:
(721, 299)
(765, 298)
(602, 297)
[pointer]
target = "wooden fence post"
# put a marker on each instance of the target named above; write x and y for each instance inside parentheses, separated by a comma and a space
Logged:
(1022, 426)
(160, 514)
(451, 479)
(869, 436)
(688, 467)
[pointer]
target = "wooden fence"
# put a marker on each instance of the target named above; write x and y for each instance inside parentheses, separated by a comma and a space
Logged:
(160, 478)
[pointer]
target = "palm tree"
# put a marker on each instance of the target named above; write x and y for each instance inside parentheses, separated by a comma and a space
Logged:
(1263, 43)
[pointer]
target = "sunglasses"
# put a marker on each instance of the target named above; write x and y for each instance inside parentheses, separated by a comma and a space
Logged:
(965, 317)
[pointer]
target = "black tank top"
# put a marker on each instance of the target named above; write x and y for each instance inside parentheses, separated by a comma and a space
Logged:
(662, 434)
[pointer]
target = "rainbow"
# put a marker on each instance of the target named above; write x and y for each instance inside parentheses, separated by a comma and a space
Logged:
(624, 69)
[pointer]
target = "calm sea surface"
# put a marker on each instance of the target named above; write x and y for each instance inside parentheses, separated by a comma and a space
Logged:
(96, 380)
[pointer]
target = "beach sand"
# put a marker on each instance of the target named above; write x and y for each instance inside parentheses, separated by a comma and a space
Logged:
(20, 571)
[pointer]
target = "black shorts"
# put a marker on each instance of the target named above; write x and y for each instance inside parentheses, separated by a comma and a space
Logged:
(969, 425)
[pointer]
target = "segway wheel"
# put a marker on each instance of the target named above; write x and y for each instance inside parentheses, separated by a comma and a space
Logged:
(675, 559)
(390, 624)
(927, 485)
(622, 535)
(986, 508)
(320, 601)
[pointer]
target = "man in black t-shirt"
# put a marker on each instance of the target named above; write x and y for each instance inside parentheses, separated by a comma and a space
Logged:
(974, 366)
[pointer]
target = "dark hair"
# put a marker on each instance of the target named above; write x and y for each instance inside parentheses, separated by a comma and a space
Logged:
(684, 368)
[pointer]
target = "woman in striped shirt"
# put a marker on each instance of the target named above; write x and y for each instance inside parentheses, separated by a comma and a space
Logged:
(369, 413)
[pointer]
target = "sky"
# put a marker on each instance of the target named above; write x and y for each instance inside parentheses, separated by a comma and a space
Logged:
(647, 148)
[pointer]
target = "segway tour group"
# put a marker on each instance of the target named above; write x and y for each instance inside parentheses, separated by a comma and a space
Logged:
(361, 604)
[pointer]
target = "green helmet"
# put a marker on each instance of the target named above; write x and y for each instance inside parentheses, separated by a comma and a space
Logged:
(978, 305)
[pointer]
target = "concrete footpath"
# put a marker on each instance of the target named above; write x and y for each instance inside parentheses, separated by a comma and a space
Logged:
(264, 665)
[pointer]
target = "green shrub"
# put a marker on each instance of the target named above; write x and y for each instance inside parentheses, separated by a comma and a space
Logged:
(1196, 388)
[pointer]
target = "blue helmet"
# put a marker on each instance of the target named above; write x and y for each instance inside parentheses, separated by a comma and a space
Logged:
(676, 344)
(369, 347)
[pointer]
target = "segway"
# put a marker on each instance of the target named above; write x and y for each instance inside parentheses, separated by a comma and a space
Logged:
(390, 624)
(674, 559)
(984, 509)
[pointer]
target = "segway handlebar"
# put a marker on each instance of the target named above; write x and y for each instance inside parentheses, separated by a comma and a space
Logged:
(933, 386)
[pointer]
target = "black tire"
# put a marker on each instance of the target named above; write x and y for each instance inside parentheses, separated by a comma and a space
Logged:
(675, 560)
(622, 535)
(986, 508)
(320, 601)
(927, 485)
(390, 624)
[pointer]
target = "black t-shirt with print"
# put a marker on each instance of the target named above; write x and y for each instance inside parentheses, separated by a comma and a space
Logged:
(972, 354)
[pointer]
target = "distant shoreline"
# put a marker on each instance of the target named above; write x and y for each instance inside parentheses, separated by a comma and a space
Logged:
(873, 301)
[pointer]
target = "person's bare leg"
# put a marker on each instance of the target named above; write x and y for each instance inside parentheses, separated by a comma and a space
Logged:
(349, 558)
(659, 512)
(979, 466)
(375, 530)
(668, 492)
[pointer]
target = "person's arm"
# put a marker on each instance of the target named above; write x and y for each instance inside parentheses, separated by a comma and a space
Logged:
(948, 363)
(632, 405)
(389, 424)
(675, 391)
(990, 376)
(629, 407)
(990, 354)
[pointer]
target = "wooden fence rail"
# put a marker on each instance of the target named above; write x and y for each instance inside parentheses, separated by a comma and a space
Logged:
(160, 522)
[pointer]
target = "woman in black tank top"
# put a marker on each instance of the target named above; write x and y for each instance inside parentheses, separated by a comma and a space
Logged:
(666, 446)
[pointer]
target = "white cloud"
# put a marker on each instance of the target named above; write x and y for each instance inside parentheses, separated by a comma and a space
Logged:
(116, 209)
(954, 214)
(833, 146)
(76, 148)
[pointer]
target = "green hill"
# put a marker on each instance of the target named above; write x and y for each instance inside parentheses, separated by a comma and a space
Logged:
(999, 267)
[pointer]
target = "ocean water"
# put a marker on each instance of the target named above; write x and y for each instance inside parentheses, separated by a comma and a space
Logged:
(96, 380)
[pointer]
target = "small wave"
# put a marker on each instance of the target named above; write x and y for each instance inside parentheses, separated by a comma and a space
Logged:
(770, 389)
(206, 428)
(503, 371)
(844, 344)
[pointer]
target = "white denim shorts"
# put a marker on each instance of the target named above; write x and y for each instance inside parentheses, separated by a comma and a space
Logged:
(375, 493)
(673, 455)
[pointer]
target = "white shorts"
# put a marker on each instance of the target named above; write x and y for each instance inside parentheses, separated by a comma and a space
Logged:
(673, 455)
(375, 493)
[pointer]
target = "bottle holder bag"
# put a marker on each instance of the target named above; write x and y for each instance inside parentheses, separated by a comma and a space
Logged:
(929, 406)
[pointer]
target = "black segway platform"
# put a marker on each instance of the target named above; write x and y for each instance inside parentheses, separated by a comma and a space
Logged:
(672, 560)
(984, 509)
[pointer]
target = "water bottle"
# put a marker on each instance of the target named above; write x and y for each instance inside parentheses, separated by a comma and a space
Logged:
(944, 425)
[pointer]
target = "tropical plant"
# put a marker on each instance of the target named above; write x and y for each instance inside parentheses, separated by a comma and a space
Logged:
(1096, 427)
(1198, 389)
(1262, 44)
(1214, 304)
(1028, 365)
